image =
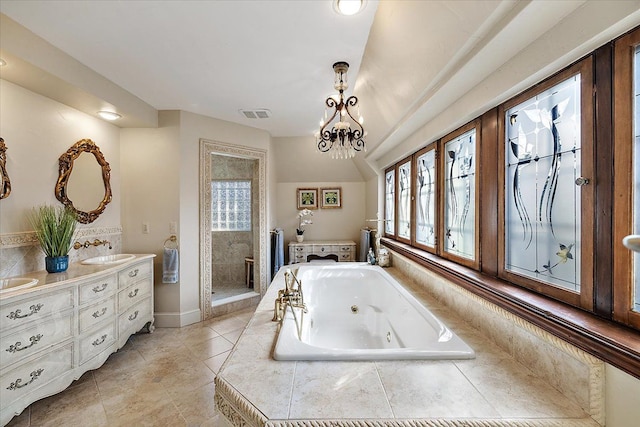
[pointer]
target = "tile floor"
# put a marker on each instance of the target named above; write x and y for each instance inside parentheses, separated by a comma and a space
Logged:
(159, 379)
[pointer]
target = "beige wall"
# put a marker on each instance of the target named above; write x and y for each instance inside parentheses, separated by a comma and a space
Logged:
(37, 131)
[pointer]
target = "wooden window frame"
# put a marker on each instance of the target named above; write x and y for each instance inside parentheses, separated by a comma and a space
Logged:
(623, 178)
(584, 298)
(472, 263)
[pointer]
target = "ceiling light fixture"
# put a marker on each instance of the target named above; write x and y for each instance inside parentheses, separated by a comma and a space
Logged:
(2, 62)
(348, 7)
(109, 115)
(341, 134)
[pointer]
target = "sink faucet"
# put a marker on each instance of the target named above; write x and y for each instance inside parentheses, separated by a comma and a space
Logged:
(96, 242)
(291, 295)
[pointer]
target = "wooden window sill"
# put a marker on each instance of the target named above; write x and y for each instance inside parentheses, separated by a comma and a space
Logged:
(611, 342)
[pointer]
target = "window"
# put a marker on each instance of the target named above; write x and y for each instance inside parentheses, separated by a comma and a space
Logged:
(626, 268)
(389, 202)
(426, 183)
(459, 194)
(231, 205)
(404, 200)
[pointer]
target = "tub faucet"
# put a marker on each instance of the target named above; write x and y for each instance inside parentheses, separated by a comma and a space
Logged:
(291, 295)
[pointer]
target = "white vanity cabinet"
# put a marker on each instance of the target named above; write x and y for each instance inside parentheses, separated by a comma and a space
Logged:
(344, 250)
(68, 324)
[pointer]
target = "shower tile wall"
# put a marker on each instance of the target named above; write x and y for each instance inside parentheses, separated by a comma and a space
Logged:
(230, 248)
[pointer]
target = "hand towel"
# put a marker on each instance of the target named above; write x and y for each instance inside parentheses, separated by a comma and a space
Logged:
(170, 264)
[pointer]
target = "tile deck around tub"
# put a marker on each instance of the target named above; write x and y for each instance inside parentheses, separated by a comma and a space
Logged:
(493, 389)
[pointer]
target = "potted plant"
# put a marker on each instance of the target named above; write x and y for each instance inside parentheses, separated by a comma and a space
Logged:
(55, 229)
(302, 221)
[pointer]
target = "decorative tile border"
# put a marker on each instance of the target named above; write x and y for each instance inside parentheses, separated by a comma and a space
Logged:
(28, 238)
(235, 408)
(431, 423)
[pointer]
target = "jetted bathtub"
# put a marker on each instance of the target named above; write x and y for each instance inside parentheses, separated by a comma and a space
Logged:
(356, 311)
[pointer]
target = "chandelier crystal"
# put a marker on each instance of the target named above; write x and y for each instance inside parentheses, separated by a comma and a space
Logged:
(341, 133)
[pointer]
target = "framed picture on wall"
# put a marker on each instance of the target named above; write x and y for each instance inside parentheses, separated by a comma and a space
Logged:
(307, 198)
(331, 198)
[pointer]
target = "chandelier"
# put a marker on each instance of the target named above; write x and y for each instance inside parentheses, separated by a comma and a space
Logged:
(341, 133)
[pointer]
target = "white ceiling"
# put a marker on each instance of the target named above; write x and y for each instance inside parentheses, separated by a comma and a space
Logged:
(210, 57)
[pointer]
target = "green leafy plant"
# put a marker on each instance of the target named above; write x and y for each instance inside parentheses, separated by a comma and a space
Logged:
(55, 228)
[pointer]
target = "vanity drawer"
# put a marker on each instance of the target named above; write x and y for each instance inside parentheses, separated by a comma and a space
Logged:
(34, 309)
(134, 273)
(95, 342)
(134, 293)
(134, 319)
(28, 377)
(347, 248)
(92, 315)
(20, 345)
(98, 289)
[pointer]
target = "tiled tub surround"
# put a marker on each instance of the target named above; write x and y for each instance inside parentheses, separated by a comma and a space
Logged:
(67, 324)
(20, 253)
(521, 376)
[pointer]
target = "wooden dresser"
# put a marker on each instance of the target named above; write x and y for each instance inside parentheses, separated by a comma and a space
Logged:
(345, 250)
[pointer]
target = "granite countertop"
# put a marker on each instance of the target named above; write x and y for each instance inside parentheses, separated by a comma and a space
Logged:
(491, 390)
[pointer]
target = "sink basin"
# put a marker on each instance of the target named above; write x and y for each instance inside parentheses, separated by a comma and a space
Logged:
(108, 259)
(16, 283)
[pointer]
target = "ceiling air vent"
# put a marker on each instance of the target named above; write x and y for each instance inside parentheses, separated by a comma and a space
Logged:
(262, 113)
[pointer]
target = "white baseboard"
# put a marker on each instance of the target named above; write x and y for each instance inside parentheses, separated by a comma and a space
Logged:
(176, 320)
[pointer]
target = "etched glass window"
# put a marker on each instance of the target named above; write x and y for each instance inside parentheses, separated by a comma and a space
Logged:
(389, 200)
(460, 195)
(542, 200)
(425, 199)
(404, 200)
(231, 205)
(636, 176)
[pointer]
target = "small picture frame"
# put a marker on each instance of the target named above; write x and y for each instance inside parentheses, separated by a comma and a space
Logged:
(307, 198)
(331, 197)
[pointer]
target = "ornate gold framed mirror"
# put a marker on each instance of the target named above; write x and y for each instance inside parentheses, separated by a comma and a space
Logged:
(5, 184)
(88, 190)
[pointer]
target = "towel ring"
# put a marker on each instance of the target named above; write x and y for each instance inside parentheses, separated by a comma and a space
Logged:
(171, 242)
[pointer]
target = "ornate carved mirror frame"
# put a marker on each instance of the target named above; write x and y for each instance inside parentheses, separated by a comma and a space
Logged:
(5, 184)
(65, 168)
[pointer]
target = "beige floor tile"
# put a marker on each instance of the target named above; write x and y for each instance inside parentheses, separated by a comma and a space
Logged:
(215, 363)
(159, 379)
(206, 349)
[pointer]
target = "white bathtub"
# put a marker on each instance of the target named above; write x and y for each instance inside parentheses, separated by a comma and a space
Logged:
(359, 312)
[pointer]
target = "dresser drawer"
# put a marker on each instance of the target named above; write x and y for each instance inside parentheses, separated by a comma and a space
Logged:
(134, 273)
(20, 381)
(134, 293)
(35, 308)
(95, 342)
(135, 318)
(324, 249)
(94, 314)
(98, 289)
(347, 248)
(20, 345)
(345, 257)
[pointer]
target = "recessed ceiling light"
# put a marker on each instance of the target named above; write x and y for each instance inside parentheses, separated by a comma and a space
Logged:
(2, 62)
(348, 7)
(109, 115)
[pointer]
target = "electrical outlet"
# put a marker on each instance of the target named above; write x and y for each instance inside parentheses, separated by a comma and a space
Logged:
(145, 228)
(173, 227)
